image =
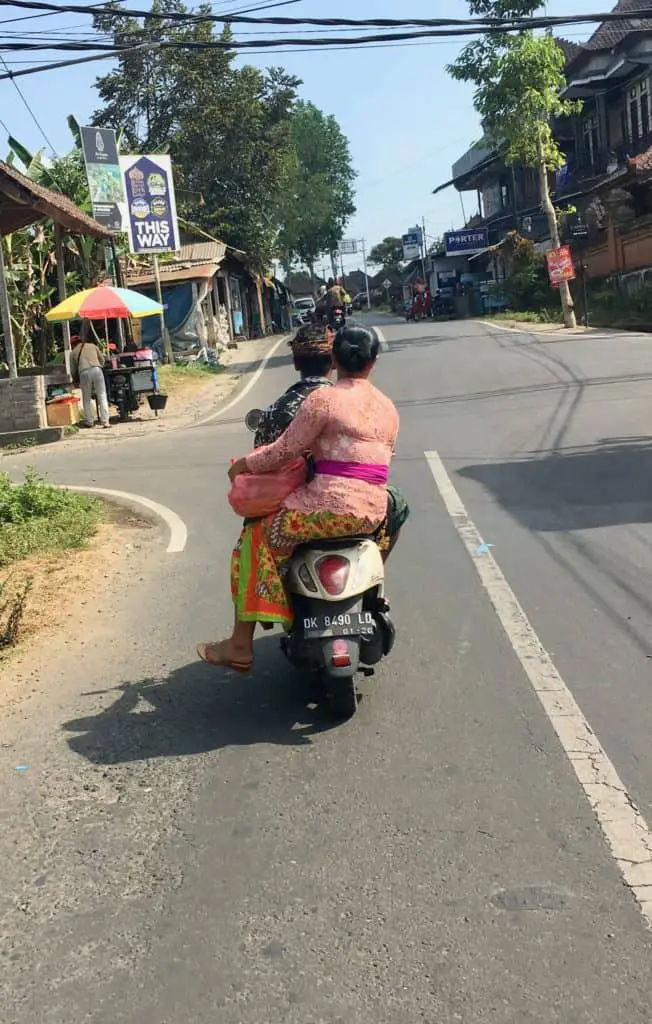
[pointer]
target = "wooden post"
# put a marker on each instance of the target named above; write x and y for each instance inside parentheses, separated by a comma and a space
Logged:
(201, 322)
(261, 307)
(5, 315)
(210, 320)
(167, 346)
(61, 281)
(229, 311)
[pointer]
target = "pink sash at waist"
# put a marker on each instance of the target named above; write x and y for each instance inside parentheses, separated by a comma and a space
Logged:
(368, 472)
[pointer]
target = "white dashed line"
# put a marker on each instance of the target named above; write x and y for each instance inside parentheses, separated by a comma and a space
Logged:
(174, 523)
(626, 831)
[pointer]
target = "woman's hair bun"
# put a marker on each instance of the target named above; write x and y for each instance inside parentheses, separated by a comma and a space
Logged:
(355, 347)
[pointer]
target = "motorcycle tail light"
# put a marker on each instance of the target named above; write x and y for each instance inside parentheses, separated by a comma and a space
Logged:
(340, 656)
(333, 572)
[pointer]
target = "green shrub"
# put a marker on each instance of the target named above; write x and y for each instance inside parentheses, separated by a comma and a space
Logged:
(38, 518)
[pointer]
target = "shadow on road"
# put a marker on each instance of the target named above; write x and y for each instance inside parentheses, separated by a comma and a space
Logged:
(196, 709)
(283, 359)
(608, 484)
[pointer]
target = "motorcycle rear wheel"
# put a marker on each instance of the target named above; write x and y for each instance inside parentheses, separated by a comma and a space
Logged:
(343, 697)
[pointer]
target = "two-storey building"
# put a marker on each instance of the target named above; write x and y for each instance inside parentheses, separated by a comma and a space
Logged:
(607, 174)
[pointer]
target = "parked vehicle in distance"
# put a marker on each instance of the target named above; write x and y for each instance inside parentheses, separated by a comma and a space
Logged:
(359, 301)
(302, 309)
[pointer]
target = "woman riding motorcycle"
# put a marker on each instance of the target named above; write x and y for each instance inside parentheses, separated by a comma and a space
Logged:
(351, 430)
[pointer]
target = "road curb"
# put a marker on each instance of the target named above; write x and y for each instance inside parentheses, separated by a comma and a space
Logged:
(177, 529)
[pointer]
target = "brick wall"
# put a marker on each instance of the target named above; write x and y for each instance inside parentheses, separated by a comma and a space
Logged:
(622, 252)
(22, 404)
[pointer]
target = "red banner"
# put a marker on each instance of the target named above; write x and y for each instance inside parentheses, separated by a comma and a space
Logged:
(560, 265)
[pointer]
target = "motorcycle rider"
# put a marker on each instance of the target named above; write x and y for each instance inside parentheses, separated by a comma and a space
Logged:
(332, 300)
(312, 351)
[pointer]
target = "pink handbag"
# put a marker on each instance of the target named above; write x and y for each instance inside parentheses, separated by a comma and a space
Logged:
(255, 495)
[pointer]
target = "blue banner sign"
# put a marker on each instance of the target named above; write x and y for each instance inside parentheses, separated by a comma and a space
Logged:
(151, 206)
(465, 243)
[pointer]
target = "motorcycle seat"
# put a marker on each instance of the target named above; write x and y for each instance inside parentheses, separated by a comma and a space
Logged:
(334, 542)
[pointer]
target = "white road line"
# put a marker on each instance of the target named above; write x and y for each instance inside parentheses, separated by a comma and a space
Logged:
(626, 831)
(384, 347)
(500, 327)
(247, 388)
(174, 523)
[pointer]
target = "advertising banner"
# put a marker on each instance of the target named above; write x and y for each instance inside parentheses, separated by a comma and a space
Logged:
(560, 265)
(348, 247)
(466, 243)
(103, 175)
(151, 206)
(412, 245)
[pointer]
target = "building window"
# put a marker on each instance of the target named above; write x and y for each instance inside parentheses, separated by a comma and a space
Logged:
(638, 110)
(591, 138)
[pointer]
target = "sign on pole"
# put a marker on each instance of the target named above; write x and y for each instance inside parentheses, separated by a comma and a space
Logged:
(466, 243)
(151, 206)
(103, 175)
(387, 284)
(348, 247)
(560, 265)
(579, 229)
(412, 244)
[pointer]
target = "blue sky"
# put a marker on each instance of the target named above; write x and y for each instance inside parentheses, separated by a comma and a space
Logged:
(406, 120)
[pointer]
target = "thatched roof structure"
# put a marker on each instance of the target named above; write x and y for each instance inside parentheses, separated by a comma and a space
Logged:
(24, 202)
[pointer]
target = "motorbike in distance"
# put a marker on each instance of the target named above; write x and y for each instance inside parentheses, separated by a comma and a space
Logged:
(341, 619)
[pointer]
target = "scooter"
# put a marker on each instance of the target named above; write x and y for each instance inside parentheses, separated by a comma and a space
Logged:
(337, 318)
(341, 617)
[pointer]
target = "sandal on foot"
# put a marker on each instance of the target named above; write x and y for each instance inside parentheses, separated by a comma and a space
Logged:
(210, 653)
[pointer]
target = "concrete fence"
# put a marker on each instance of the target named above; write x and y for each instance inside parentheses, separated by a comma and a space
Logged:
(22, 404)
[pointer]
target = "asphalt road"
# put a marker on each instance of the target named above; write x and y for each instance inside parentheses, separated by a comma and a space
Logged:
(190, 847)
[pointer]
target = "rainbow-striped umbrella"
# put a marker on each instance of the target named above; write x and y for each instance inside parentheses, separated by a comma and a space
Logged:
(104, 303)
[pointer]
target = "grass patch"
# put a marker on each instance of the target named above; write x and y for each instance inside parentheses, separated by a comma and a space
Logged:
(18, 446)
(542, 316)
(178, 373)
(37, 518)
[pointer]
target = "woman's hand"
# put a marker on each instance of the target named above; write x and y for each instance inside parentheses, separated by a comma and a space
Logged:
(236, 468)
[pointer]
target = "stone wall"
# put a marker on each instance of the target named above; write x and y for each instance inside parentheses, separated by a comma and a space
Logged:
(22, 403)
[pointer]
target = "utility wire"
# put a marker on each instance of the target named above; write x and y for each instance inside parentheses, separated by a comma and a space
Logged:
(499, 24)
(29, 109)
(470, 28)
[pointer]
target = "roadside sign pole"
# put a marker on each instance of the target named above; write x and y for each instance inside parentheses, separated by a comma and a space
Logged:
(366, 276)
(167, 345)
(579, 233)
(424, 249)
(584, 293)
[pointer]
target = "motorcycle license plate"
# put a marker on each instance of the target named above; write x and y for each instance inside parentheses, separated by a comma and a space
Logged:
(338, 624)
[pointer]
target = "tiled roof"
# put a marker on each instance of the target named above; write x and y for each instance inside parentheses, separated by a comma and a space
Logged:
(609, 33)
(570, 50)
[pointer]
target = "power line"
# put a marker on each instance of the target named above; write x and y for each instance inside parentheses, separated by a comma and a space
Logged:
(497, 24)
(30, 17)
(29, 109)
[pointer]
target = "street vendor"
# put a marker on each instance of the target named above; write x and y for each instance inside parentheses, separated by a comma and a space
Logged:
(86, 363)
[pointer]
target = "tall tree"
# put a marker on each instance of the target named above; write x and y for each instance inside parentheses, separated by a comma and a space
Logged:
(388, 253)
(319, 190)
(518, 81)
(227, 128)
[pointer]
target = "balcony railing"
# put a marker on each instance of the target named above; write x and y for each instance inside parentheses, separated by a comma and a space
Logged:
(582, 170)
